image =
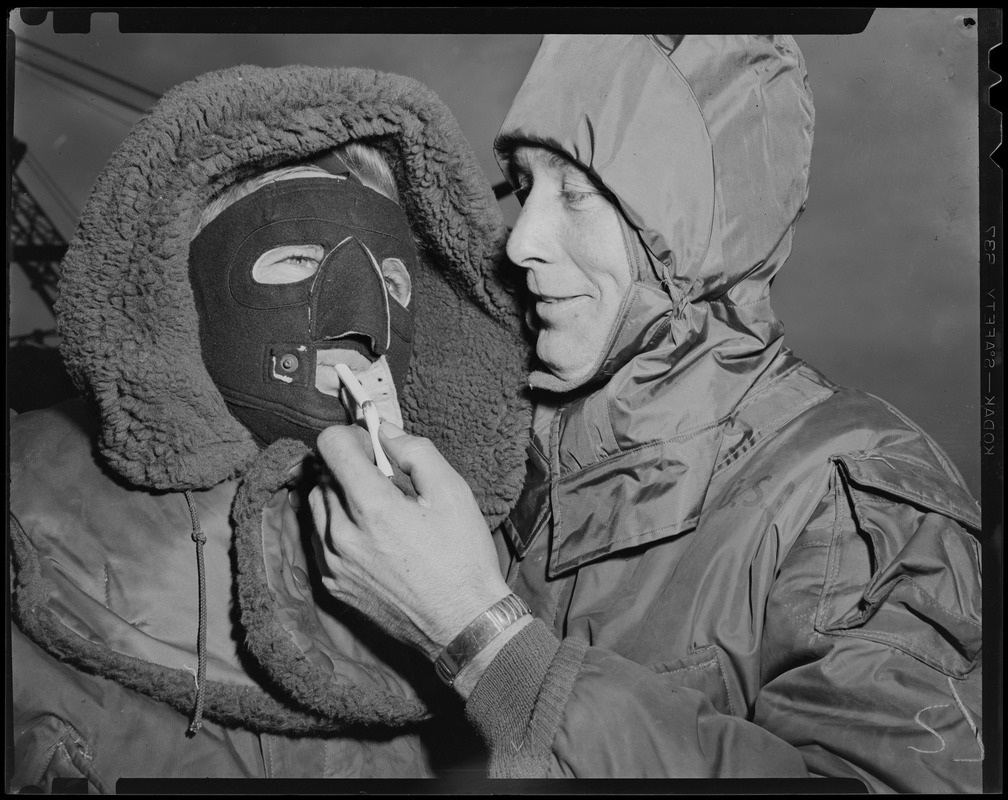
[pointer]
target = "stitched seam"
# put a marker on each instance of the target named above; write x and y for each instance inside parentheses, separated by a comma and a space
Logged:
(765, 389)
(716, 661)
(808, 546)
(703, 428)
(580, 559)
(327, 757)
(770, 428)
(950, 471)
(272, 759)
(823, 626)
(691, 668)
(727, 302)
(80, 758)
(930, 502)
(54, 747)
(832, 561)
(931, 602)
(724, 681)
(900, 491)
(560, 593)
(710, 141)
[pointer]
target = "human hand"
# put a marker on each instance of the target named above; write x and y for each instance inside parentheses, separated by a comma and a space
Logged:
(422, 568)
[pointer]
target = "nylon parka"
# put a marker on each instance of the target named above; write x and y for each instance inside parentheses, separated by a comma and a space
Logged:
(109, 492)
(739, 568)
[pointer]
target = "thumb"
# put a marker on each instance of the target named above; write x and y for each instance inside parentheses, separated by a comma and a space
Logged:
(429, 471)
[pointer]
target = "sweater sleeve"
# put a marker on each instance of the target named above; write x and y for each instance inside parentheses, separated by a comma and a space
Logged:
(519, 700)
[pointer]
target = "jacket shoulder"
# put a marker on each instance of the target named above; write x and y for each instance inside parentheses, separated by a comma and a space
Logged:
(68, 428)
(807, 423)
(881, 450)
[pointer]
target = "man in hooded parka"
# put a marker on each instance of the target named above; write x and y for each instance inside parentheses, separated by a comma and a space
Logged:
(735, 568)
(168, 618)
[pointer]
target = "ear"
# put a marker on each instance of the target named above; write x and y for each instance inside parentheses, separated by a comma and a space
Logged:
(397, 279)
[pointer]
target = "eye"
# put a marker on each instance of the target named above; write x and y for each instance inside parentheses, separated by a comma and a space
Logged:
(288, 264)
(577, 188)
(398, 280)
(574, 196)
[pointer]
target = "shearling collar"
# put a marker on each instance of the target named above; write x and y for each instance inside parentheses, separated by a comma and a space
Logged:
(126, 312)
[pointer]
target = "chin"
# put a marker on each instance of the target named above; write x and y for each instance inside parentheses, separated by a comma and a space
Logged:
(566, 371)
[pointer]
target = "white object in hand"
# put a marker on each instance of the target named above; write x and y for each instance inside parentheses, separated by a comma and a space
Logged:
(366, 408)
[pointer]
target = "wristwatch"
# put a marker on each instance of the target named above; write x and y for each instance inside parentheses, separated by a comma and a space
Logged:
(478, 634)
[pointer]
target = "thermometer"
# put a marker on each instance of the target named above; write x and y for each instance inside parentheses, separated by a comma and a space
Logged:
(366, 409)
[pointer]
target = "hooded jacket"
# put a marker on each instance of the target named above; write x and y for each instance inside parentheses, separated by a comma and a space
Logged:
(108, 494)
(739, 568)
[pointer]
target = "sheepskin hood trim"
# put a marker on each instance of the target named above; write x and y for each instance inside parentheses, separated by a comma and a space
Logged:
(126, 313)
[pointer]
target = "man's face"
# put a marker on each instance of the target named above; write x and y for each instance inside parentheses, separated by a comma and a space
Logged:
(300, 275)
(569, 240)
(290, 264)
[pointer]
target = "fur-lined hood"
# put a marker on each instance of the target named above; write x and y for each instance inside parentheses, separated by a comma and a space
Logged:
(126, 312)
(130, 340)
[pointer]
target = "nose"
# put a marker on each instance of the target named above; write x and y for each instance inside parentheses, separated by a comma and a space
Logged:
(530, 242)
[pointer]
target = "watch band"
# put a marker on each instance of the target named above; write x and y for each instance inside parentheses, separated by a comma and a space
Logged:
(478, 634)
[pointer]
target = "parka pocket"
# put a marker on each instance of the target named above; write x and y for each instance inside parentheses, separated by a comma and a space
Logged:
(51, 749)
(902, 569)
(703, 670)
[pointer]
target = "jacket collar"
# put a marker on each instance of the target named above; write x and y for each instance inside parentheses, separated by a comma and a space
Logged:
(631, 463)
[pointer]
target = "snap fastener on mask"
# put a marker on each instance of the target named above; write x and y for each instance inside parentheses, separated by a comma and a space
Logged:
(289, 362)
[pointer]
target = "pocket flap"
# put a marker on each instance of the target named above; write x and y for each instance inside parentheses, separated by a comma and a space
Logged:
(703, 671)
(903, 570)
(914, 481)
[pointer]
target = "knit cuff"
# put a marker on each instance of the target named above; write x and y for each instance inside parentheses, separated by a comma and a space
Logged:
(519, 700)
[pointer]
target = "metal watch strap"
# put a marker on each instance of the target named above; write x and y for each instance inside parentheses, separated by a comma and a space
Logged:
(477, 635)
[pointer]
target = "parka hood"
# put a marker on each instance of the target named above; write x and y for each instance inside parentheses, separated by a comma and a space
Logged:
(126, 313)
(705, 143)
(704, 140)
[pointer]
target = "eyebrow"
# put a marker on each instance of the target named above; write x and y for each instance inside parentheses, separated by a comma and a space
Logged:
(551, 158)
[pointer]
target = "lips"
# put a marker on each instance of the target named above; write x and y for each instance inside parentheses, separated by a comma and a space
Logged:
(553, 309)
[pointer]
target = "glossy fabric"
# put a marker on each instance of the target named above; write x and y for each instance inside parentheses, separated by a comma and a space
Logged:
(753, 572)
(817, 613)
(105, 578)
(141, 600)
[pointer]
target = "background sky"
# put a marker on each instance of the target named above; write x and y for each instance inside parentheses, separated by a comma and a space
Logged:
(881, 291)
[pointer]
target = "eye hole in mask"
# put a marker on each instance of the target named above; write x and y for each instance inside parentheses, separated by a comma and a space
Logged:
(297, 262)
(288, 264)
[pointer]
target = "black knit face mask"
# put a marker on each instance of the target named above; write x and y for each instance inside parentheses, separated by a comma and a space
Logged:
(299, 275)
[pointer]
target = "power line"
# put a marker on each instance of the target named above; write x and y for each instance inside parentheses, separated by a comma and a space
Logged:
(80, 85)
(501, 190)
(74, 94)
(111, 76)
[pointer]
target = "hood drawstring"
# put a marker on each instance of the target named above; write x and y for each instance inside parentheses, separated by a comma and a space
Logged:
(200, 538)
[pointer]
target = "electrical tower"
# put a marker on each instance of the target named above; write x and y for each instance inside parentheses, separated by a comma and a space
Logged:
(36, 246)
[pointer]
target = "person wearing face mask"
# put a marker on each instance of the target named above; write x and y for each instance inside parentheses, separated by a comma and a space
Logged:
(722, 564)
(269, 253)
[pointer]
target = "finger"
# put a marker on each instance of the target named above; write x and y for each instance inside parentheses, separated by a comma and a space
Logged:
(429, 471)
(331, 520)
(317, 504)
(346, 451)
